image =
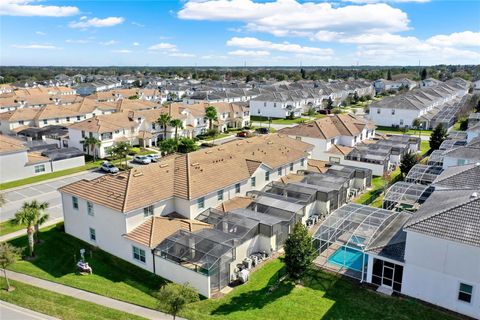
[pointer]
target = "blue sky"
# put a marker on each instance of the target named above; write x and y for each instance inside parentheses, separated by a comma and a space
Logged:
(234, 32)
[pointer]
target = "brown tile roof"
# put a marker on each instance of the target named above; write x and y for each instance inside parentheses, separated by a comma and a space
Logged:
(19, 114)
(36, 157)
(10, 144)
(292, 177)
(189, 176)
(339, 149)
(330, 127)
(132, 105)
(155, 229)
(317, 165)
(235, 203)
(106, 123)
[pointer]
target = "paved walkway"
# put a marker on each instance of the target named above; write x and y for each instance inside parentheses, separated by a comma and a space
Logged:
(10, 311)
(23, 231)
(88, 296)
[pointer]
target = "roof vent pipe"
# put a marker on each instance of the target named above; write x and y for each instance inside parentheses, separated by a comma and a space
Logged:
(474, 196)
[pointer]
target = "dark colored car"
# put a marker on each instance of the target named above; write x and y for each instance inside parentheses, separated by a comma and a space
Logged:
(262, 130)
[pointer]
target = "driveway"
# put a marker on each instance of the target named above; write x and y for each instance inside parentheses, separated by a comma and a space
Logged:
(46, 191)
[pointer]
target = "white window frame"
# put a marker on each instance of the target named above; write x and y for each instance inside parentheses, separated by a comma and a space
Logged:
(75, 202)
(141, 253)
(238, 188)
(468, 293)
(253, 182)
(267, 175)
(90, 210)
(93, 235)
(201, 203)
(37, 168)
(148, 211)
(220, 195)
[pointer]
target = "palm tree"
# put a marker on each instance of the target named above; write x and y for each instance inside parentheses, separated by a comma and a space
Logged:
(25, 216)
(164, 120)
(211, 115)
(91, 143)
(41, 216)
(176, 123)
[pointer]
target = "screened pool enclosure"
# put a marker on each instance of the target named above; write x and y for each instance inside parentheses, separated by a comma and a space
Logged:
(343, 238)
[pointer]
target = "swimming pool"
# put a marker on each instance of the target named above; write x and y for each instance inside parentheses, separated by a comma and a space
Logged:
(347, 257)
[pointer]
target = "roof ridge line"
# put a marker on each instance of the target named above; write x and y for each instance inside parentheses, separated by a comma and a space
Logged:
(126, 191)
(151, 232)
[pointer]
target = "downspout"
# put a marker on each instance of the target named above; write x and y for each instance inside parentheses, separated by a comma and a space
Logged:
(153, 257)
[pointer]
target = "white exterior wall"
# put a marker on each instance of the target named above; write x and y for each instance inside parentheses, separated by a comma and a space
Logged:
(452, 162)
(68, 163)
(258, 108)
(13, 166)
(434, 269)
(176, 273)
(387, 119)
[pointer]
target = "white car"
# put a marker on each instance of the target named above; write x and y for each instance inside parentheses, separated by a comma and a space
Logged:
(142, 159)
(108, 167)
(154, 157)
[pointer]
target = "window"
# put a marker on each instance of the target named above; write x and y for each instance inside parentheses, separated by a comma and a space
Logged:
(334, 159)
(378, 111)
(253, 181)
(274, 104)
(465, 292)
(302, 162)
(39, 168)
(220, 195)
(461, 162)
(401, 122)
(57, 120)
(279, 171)
(90, 208)
(78, 118)
(83, 134)
(68, 119)
(93, 235)
(45, 121)
(75, 202)
(21, 122)
(291, 166)
(117, 131)
(148, 211)
(237, 188)
(267, 176)
(393, 111)
(264, 104)
(139, 254)
(201, 203)
(332, 141)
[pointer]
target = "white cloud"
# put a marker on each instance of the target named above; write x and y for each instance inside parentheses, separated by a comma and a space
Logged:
(249, 53)
(466, 38)
(40, 33)
(254, 43)
(36, 46)
(138, 24)
(77, 41)
(135, 44)
(376, 1)
(163, 46)
(122, 51)
(213, 57)
(108, 43)
(84, 23)
(289, 17)
(26, 9)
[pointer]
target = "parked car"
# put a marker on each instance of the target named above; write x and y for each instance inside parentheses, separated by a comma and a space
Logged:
(142, 159)
(154, 157)
(243, 134)
(262, 130)
(108, 167)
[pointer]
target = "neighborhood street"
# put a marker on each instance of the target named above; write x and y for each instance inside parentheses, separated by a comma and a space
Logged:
(46, 191)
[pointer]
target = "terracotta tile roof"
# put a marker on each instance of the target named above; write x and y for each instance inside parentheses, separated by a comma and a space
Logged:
(330, 127)
(338, 149)
(235, 203)
(189, 176)
(10, 144)
(317, 165)
(155, 229)
(35, 157)
(19, 114)
(292, 177)
(106, 123)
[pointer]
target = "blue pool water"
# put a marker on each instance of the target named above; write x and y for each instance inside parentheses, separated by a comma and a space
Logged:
(347, 257)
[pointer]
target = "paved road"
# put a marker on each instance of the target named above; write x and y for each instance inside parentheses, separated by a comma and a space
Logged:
(12, 312)
(46, 191)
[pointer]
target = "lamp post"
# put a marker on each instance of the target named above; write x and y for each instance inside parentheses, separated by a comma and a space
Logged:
(126, 162)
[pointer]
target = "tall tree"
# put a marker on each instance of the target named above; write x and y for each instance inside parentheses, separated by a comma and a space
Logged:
(389, 74)
(177, 124)
(424, 74)
(26, 217)
(8, 255)
(173, 297)
(439, 134)
(211, 115)
(408, 161)
(91, 143)
(299, 251)
(168, 146)
(164, 120)
(303, 72)
(40, 216)
(121, 150)
(416, 124)
(186, 145)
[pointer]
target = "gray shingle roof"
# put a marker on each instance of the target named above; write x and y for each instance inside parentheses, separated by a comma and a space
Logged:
(459, 177)
(450, 214)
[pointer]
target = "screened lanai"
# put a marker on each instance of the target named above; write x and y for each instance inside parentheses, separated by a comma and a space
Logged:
(344, 236)
(287, 191)
(450, 144)
(406, 196)
(208, 251)
(436, 158)
(457, 135)
(423, 174)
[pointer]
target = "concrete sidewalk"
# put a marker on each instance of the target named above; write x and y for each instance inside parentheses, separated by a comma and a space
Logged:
(88, 296)
(23, 231)
(10, 311)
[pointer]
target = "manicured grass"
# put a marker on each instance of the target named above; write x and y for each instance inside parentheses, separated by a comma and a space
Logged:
(58, 305)
(112, 277)
(424, 148)
(322, 296)
(390, 130)
(7, 227)
(219, 136)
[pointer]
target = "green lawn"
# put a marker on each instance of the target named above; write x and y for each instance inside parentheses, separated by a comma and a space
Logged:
(219, 136)
(322, 296)
(58, 305)
(372, 196)
(112, 277)
(424, 148)
(7, 227)
(390, 130)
